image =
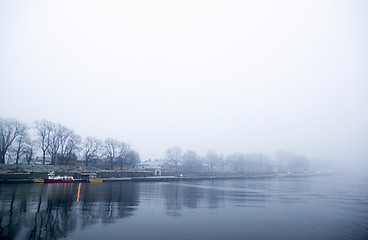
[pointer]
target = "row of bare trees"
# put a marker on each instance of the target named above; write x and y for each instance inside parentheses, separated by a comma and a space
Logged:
(238, 162)
(13, 138)
(59, 143)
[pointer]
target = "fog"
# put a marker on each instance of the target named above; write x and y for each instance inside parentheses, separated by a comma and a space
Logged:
(232, 76)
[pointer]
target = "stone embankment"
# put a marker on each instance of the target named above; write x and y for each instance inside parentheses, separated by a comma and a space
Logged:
(28, 173)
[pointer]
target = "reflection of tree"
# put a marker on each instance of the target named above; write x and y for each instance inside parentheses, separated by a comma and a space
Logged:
(50, 211)
(121, 198)
(205, 194)
(54, 217)
(9, 208)
(173, 199)
(7, 219)
(214, 197)
(177, 196)
(89, 213)
(192, 196)
(38, 220)
(128, 199)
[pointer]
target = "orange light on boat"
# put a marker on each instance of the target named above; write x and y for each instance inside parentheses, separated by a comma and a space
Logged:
(79, 186)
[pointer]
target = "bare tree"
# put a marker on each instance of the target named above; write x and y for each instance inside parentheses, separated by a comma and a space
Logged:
(29, 150)
(115, 150)
(67, 140)
(212, 158)
(292, 161)
(123, 150)
(256, 162)
(132, 158)
(69, 148)
(191, 161)
(44, 130)
(20, 145)
(111, 150)
(9, 130)
(54, 144)
(298, 163)
(237, 160)
(173, 155)
(281, 158)
(91, 148)
(59, 139)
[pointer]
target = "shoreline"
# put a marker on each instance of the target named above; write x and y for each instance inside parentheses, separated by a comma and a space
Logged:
(169, 178)
(23, 173)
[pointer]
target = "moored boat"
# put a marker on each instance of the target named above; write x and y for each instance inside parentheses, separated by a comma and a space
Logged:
(51, 178)
(94, 179)
(38, 181)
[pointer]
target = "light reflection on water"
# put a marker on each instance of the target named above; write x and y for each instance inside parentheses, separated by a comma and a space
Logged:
(333, 207)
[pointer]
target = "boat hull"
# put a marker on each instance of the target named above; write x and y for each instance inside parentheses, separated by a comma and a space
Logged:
(46, 180)
(95, 180)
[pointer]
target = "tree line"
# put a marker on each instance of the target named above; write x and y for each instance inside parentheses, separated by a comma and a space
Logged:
(190, 161)
(20, 143)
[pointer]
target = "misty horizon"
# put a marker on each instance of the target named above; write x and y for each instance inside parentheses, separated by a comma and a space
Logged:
(230, 77)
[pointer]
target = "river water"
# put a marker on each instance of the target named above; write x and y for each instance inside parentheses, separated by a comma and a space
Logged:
(329, 207)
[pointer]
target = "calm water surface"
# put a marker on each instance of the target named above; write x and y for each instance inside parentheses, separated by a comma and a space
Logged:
(334, 207)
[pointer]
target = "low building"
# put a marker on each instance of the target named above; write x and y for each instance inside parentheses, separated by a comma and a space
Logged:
(39, 160)
(152, 165)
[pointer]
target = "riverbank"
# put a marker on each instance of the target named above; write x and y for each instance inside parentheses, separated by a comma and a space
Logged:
(146, 179)
(28, 173)
(29, 178)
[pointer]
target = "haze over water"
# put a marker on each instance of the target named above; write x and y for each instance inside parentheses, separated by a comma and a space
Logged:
(232, 76)
(333, 207)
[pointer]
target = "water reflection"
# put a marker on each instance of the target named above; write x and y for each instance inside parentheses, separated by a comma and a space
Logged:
(178, 196)
(241, 207)
(51, 211)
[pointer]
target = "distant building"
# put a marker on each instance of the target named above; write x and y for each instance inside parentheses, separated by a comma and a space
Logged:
(39, 161)
(156, 166)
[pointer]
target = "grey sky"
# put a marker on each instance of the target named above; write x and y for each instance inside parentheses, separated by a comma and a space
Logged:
(232, 76)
